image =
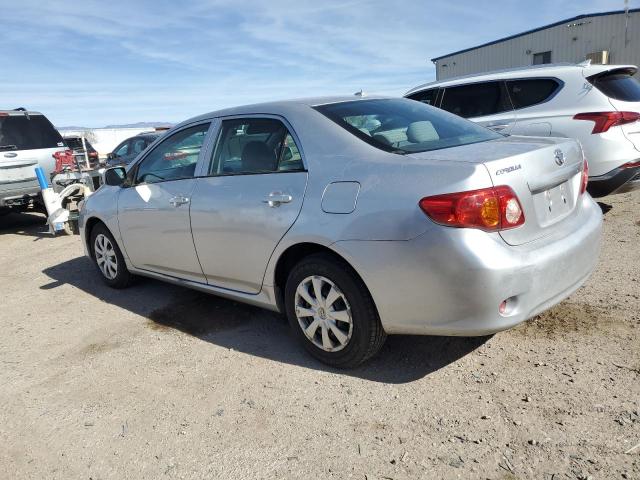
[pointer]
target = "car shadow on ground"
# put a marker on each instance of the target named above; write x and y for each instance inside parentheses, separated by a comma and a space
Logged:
(30, 224)
(255, 331)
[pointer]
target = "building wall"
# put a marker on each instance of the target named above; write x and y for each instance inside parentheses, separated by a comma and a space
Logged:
(569, 42)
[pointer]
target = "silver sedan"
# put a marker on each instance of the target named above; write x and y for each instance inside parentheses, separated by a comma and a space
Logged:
(356, 217)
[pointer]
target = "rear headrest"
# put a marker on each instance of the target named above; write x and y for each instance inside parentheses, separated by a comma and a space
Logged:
(257, 157)
(423, 131)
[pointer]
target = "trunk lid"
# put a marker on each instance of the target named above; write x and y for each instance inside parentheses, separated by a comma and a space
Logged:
(544, 173)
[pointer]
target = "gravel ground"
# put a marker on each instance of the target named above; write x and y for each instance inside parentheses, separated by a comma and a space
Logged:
(161, 382)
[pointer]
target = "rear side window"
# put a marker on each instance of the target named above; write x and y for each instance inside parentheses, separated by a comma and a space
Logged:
(426, 96)
(476, 100)
(22, 132)
(526, 93)
(619, 86)
(255, 146)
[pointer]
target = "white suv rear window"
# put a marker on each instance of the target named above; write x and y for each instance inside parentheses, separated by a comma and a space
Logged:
(618, 85)
(27, 132)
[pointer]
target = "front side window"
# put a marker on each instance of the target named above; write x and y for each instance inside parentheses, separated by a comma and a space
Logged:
(404, 126)
(426, 96)
(137, 145)
(619, 85)
(253, 146)
(122, 149)
(476, 100)
(175, 158)
(525, 93)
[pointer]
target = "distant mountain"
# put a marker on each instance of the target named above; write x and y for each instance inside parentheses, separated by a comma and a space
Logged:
(126, 125)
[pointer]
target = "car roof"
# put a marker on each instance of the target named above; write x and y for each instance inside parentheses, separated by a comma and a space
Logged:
(18, 112)
(280, 107)
(547, 70)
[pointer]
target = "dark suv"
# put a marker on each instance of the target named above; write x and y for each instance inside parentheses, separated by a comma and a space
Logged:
(128, 150)
(74, 143)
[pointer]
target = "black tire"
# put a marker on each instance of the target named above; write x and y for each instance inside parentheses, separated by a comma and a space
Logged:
(122, 277)
(367, 334)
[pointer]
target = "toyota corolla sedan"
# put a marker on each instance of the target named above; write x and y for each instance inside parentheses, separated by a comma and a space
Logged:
(356, 217)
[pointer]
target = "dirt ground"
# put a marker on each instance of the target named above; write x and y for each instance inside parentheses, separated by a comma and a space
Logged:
(161, 382)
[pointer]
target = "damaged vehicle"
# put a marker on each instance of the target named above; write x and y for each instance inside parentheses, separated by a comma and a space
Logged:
(357, 218)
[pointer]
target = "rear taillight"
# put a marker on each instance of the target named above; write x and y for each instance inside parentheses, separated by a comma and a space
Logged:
(603, 121)
(490, 209)
(631, 165)
(584, 179)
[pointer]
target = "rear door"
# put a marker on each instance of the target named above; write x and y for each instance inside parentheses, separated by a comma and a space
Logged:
(623, 91)
(251, 195)
(153, 213)
(486, 103)
(529, 96)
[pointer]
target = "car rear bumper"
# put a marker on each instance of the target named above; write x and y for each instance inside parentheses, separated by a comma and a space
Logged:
(618, 180)
(17, 193)
(451, 281)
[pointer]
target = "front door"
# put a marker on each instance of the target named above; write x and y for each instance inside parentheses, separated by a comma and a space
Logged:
(250, 198)
(153, 213)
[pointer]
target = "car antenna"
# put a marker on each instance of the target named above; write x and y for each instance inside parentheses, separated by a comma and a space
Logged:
(360, 93)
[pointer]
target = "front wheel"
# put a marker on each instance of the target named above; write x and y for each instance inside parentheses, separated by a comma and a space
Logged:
(332, 312)
(108, 258)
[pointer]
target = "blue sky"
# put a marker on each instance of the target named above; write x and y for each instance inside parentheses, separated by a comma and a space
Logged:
(93, 62)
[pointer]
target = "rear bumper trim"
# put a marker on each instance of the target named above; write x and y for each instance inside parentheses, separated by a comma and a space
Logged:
(618, 180)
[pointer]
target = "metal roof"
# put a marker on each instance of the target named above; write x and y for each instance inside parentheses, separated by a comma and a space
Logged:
(561, 22)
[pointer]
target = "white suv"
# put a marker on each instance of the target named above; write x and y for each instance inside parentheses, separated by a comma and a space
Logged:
(599, 105)
(27, 140)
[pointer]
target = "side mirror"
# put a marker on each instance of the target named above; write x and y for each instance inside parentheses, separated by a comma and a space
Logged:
(115, 177)
(111, 155)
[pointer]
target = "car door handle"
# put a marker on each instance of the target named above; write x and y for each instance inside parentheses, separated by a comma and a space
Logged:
(498, 127)
(179, 200)
(274, 199)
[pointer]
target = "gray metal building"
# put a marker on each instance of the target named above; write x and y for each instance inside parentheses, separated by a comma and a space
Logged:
(608, 37)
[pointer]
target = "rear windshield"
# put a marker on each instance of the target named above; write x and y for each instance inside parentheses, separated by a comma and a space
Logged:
(75, 143)
(619, 86)
(22, 132)
(405, 126)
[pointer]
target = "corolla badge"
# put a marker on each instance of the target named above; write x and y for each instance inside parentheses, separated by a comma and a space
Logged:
(559, 157)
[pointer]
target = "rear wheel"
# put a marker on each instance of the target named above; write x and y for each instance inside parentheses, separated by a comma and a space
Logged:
(108, 258)
(332, 312)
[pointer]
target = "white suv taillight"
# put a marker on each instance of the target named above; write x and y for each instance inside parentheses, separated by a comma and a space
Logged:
(603, 121)
(491, 209)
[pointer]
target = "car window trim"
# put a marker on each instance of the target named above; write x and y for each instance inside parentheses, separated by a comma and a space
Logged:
(216, 138)
(132, 174)
(560, 85)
